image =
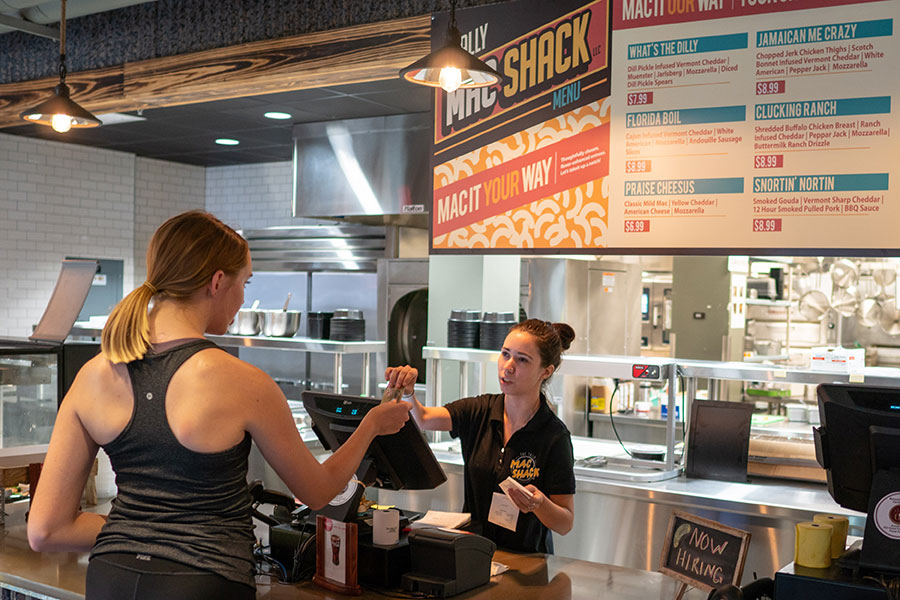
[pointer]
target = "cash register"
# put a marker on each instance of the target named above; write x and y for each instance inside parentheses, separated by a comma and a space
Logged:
(401, 461)
(858, 445)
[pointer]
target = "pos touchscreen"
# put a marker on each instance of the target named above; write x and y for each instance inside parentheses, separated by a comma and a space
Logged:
(401, 461)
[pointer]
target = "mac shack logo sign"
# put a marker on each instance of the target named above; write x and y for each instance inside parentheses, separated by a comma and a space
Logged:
(500, 148)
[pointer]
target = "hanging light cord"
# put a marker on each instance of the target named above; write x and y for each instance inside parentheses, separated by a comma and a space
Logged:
(62, 42)
(452, 13)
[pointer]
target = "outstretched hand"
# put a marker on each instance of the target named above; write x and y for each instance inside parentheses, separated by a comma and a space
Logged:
(389, 417)
(402, 377)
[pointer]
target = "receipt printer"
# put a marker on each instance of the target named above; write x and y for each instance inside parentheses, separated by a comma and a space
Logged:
(445, 563)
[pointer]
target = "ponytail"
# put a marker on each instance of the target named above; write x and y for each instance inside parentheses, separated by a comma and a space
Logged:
(126, 336)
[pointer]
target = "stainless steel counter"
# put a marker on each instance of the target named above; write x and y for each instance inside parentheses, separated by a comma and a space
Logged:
(624, 522)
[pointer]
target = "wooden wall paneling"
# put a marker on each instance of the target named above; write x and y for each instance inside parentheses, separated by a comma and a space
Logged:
(356, 54)
(351, 55)
(100, 90)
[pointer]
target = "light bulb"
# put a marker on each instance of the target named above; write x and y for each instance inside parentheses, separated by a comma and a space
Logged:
(450, 78)
(61, 123)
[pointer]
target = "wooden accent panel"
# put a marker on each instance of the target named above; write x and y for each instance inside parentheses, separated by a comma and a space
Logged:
(356, 54)
(99, 90)
(350, 55)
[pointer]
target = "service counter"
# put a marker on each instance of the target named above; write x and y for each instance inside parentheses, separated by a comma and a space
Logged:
(60, 575)
(623, 523)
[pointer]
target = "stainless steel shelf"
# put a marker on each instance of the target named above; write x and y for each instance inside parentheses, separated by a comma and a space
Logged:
(297, 344)
(294, 344)
(738, 371)
(764, 302)
(620, 367)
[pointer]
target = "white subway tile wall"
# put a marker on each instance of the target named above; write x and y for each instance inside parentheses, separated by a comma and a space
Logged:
(162, 189)
(59, 200)
(252, 196)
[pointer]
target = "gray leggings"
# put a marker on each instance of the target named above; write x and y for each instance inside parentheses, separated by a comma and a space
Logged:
(120, 576)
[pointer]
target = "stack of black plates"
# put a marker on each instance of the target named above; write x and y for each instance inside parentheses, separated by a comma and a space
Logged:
(494, 327)
(463, 329)
(348, 325)
(318, 325)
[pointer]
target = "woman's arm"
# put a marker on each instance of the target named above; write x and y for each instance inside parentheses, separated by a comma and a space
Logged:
(556, 511)
(55, 522)
(430, 418)
(270, 423)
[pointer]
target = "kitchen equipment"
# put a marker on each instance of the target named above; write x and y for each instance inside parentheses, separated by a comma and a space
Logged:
(813, 305)
(869, 312)
(885, 278)
(797, 413)
(845, 300)
(764, 287)
(890, 318)
(246, 322)
(318, 325)
(844, 273)
(348, 325)
(463, 329)
(494, 327)
(279, 323)
(286, 302)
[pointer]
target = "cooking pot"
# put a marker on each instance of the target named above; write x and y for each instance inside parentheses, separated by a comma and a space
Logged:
(890, 318)
(280, 323)
(869, 312)
(885, 278)
(844, 273)
(246, 322)
(845, 301)
(813, 305)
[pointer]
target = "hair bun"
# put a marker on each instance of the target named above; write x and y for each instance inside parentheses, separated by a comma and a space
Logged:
(566, 334)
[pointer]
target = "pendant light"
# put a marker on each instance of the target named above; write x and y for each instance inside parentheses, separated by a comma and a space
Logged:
(61, 112)
(450, 67)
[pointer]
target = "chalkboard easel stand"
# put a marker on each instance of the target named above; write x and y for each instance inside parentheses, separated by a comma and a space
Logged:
(681, 591)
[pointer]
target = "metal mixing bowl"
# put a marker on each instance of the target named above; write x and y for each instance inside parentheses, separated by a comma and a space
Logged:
(280, 323)
(246, 322)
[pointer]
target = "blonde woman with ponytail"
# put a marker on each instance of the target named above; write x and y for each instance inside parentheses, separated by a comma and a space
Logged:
(176, 416)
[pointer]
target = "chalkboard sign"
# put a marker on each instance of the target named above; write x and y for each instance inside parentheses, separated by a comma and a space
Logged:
(703, 553)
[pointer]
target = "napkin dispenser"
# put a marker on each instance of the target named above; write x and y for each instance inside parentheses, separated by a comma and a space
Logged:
(445, 562)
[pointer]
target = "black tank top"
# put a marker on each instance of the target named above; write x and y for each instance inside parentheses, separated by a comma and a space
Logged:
(172, 502)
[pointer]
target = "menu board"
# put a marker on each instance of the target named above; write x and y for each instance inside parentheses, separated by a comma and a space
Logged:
(523, 164)
(754, 125)
(729, 126)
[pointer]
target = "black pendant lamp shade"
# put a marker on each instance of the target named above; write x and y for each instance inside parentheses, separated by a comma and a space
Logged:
(60, 106)
(61, 112)
(450, 67)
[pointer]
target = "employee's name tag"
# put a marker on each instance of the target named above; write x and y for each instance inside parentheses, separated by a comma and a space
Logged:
(503, 512)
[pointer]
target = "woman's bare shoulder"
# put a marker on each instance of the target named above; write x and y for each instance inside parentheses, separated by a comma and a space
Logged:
(100, 373)
(221, 371)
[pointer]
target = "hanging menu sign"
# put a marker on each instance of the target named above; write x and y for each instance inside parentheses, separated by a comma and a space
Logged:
(763, 126)
(522, 164)
(729, 126)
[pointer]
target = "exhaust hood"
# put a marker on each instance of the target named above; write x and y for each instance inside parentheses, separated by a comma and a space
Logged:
(373, 171)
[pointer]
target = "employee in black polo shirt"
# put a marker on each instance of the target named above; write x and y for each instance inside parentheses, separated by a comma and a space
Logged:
(511, 434)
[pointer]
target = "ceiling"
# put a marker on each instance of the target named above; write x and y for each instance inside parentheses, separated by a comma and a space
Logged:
(187, 134)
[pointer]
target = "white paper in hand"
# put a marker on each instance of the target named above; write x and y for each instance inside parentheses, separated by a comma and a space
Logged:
(509, 482)
(503, 512)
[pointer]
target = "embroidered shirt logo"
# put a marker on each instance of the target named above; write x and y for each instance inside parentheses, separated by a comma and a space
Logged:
(524, 469)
